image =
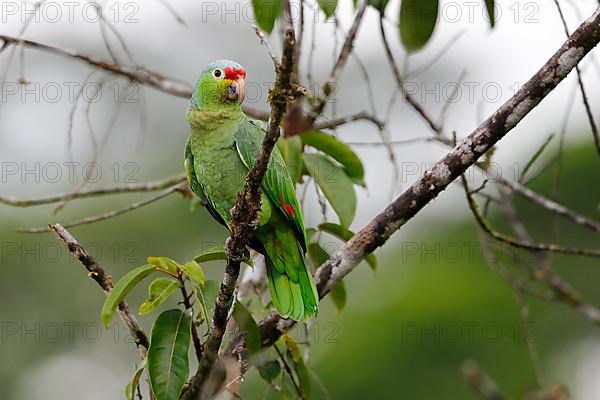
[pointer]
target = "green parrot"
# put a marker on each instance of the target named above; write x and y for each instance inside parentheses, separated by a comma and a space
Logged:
(222, 147)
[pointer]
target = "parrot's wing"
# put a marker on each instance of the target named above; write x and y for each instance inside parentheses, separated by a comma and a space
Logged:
(197, 187)
(277, 184)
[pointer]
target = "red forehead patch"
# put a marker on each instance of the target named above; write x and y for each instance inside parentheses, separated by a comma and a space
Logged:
(234, 73)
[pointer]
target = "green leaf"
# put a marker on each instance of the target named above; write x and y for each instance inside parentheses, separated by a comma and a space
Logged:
(207, 295)
(328, 6)
(291, 150)
(335, 184)
(417, 22)
(301, 371)
(266, 12)
(158, 291)
(339, 151)
(317, 254)
(163, 263)
(193, 270)
(379, 5)
(531, 162)
(345, 235)
(269, 370)
(489, 4)
(123, 286)
(310, 232)
(247, 324)
(336, 230)
(132, 386)
(338, 295)
(168, 366)
(216, 253)
(371, 259)
(212, 253)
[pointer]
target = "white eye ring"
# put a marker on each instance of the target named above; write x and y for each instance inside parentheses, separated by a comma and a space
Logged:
(218, 74)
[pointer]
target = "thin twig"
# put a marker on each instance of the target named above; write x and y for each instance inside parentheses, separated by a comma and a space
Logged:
(436, 58)
(188, 306)
(173, 12)
(72, 115)
(559, 158)
(394, 142)
(550, 205)
(486, 226)
(586, 102)
(520, 230)
(449, 101)
(361, 116)
(400, 82)
(126, 188)
(480, 381)
(348, 45)
(363, 70)
(562, 290)
(339, 65)
(265, 42)
(97, 149)
(287, 368)
(114, 213)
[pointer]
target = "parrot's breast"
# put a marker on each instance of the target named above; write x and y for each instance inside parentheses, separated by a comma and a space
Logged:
(217, 165)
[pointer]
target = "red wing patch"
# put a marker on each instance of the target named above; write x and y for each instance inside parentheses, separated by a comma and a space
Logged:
(288, 208)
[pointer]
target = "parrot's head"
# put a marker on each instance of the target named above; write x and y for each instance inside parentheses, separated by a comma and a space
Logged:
(221, 83)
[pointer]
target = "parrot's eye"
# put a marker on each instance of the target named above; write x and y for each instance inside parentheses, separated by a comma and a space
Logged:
(218, 74)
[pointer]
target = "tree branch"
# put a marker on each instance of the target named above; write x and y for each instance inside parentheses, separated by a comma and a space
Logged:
(462, 156)
(97, 273)
(446, 170)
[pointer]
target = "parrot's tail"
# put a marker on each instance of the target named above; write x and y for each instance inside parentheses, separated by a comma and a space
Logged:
(291, 285)
(295, 300)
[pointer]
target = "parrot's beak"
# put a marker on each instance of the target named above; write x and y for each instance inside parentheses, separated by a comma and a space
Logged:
(237, 90)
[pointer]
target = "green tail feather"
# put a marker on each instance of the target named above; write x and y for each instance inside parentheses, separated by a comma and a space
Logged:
(297, 301)
(292, 288)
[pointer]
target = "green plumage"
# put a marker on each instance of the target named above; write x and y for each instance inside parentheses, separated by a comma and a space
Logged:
(222, 147)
